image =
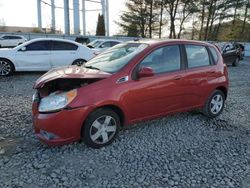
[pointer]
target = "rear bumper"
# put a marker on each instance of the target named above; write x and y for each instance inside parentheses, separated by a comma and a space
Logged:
(61, 127)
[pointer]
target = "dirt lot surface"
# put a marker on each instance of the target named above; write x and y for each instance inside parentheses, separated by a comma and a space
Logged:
(182, 150)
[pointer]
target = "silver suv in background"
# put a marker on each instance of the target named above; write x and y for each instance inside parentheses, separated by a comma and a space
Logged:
(103, 44)
(11, 40)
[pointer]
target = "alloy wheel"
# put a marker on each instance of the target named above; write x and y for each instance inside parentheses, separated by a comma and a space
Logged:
(5, 68)
(103, 129)
(216, 104)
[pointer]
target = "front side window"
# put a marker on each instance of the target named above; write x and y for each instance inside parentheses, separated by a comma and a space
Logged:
(197, 56)
(106, 45)
(6, 37)
(115, 58)
(62, 46)
(164, 59)
(38, 46)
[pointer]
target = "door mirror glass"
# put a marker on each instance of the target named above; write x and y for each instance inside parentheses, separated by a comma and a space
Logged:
(145, 72)
(102, 46)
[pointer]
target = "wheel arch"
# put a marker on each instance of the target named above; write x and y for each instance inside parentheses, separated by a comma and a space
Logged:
(4, 58)
(77, 59)
(113, 107)
(223, 89)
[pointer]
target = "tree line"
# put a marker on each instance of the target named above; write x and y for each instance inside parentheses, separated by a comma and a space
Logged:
(201, 19)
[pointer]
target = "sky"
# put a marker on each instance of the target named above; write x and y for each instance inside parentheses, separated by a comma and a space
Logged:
(24, 13)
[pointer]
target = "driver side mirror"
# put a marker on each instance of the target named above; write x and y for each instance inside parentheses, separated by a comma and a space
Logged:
(145, 72)
(23, 49)
(102, 46)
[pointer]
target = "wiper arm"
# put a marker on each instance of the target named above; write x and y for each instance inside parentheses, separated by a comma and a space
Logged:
(91, 67)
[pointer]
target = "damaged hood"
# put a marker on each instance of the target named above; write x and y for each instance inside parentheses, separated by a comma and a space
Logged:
(70, 72)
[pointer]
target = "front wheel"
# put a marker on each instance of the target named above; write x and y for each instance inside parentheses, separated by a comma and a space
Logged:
(101, 128)
(6, 67)
(215, 104)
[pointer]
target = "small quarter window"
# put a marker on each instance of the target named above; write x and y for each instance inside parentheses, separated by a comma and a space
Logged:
(214, 54)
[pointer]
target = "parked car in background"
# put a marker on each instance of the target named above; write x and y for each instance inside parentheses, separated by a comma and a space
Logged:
(11, 40)
(82, 40)
(231, 52)
(241, 48)
(129, 83)
(42, 55)
(103, 44)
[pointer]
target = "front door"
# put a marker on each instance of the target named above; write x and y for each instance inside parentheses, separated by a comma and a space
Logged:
(36, 56)
(161, 93)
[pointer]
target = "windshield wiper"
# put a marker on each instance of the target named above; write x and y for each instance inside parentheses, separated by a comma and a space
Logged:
(91, 67)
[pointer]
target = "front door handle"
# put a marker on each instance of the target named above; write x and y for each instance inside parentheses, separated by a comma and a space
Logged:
(177, 77)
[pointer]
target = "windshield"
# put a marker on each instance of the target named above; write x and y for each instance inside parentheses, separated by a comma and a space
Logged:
(115, 58)
(94, 44)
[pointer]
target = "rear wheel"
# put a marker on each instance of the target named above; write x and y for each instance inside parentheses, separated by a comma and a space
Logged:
(6, 67)
(236, 62)
(215, 104)
(79, 62)
(101, 128)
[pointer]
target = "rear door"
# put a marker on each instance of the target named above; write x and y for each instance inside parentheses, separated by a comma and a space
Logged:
(36, 56)
(161, 93)
(63, 53)
(199, 67)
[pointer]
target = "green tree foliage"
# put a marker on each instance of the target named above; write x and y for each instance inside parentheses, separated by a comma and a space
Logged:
(100, 28)
(143, 14)
(201, 19)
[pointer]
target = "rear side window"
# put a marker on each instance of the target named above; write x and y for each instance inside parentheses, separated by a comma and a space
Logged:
(197, 56)
(214, 54)
(63, 46)
(163, 59)
(113, 43)
(15, 37)
(38, 46)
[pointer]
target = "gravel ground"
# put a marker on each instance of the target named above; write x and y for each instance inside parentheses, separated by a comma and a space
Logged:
(183, 150)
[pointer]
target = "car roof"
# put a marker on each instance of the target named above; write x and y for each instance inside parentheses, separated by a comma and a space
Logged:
(157, 42)
(104, 40)
(54, 39)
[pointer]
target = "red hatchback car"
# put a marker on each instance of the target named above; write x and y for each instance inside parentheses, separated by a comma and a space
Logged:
(131, 82)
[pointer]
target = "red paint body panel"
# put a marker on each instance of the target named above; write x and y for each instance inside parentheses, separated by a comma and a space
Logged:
(69, 72)
(139, 100)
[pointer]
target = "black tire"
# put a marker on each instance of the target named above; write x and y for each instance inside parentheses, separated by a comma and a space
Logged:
(6, 67)
(236, 62)
(101, 123)
(210, 109)
(79, 62)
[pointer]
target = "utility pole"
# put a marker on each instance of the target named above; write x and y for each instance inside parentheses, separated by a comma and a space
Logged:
(66, 18)
(76, 17)
(39, 14)
(83, 17)
(53, 21)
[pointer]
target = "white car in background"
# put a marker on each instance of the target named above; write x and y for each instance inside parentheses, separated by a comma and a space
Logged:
(42, 55)
(11, 40)
(103, 44)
